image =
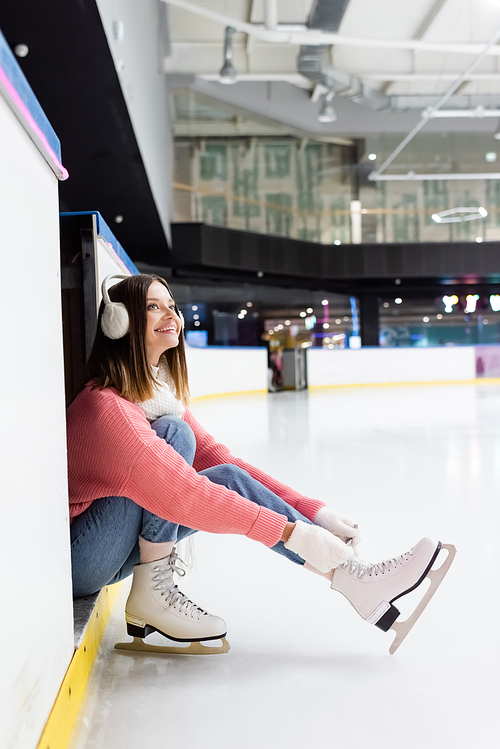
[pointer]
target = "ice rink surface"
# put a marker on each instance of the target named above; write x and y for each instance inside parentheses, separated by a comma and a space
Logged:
(304, 670)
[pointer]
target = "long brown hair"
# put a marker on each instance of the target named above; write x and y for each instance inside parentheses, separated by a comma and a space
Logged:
(123, 363)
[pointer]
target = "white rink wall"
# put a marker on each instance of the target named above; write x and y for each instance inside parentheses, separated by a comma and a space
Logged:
(36, 624)
(380, 365)
(214, 370)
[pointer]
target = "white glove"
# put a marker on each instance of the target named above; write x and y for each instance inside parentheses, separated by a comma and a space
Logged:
(317, 546)
(341, 525)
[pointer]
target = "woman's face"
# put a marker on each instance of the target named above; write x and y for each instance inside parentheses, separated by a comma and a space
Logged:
(163, 326)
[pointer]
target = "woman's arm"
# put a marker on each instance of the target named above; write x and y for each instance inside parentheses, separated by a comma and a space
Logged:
(112, 451)
(211, 453)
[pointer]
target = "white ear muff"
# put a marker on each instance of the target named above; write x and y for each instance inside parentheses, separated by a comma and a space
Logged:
(115, 320)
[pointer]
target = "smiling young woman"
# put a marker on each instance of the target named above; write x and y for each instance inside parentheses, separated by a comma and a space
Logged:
(143, 474)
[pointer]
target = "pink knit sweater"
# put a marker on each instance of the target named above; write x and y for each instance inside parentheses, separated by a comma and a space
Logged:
(113, 451)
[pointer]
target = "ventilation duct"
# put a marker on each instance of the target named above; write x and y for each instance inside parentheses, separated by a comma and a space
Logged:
(314, 62)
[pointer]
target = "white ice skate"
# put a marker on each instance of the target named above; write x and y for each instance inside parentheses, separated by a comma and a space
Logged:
(155, 604)
(373, 588)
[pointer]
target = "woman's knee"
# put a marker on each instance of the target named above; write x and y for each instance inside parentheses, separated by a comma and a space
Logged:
(178, 434)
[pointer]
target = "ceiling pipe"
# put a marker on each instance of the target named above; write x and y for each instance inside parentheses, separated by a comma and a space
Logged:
(413, 177)
(271, 14)
(314, 37)
(375, 176)
(478, 112)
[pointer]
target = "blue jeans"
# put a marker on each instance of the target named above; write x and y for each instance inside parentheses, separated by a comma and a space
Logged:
(104, 538)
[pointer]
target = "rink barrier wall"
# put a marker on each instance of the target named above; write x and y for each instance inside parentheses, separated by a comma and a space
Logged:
(60, 723)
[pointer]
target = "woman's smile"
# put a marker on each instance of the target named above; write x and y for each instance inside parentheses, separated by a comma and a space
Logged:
(163, 324)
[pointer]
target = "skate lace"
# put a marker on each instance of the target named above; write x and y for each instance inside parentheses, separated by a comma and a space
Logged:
(357, 566)
(163, 577)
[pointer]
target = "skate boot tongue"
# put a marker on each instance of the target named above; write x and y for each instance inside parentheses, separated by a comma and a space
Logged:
(162, 575)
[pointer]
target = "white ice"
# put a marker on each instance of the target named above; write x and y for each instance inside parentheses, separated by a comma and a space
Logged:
(304, 671)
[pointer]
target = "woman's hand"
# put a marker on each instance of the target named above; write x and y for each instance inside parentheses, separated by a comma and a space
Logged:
(323, 550)
(340, 525)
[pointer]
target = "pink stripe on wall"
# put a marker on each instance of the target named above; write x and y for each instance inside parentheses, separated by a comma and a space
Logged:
(32, 128)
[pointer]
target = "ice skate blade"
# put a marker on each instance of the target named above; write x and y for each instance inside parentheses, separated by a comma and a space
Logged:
(195, 648)
(436, 577)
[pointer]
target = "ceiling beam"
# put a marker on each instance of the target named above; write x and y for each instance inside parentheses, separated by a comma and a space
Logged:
(315, 37)
(429, 19)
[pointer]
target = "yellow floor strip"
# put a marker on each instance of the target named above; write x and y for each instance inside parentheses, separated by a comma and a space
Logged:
(417, 383)
(227, 395)
(57, 731)
(409, 383)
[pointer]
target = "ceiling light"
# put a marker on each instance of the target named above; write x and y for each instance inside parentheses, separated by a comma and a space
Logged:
(386, 304)
(302, 314)
(490, 156)
(425, 319)
(309, 310)
(439, 317)
(327, 112)
(372, 156)
(449, 302)
(472, 300)
(197, 322)
(324, 302)
(337, 241)
(495, 302)
(249, 304)
(227, 73)
(398, 300)
(459, 214)
(326, 325)
(118, 219)
(479, 240)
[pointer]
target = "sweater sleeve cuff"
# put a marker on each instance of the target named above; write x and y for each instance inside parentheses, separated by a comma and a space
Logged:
(268, 527)
(309, 507)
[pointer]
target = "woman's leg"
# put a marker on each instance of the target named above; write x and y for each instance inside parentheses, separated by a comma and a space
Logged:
(240, 481)
(157, 536)
(100, 555)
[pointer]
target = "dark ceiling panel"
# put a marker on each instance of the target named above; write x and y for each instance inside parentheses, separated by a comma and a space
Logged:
(215, 252)
(71, 71)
